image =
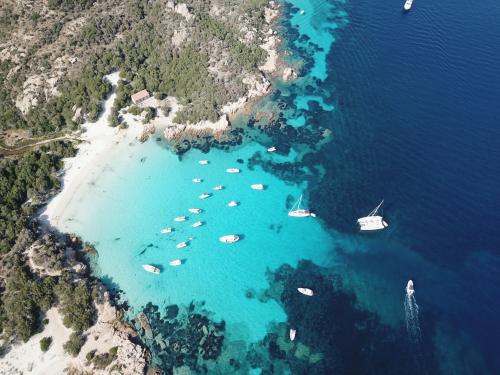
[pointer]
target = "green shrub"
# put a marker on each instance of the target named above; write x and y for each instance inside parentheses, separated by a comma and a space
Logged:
(45, 343)
(74, 344)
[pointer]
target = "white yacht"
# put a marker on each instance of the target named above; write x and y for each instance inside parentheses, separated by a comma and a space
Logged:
(409, 288)
(218, 187)
(373, 221)
(302, 11)
(232, 170)
(271, 149)
(197, 180)
(232, 204)
(203, 162)
(195, 210)
(175, 263)
(150, 268)
(296, 211)
(166, 230)
(408, 4)
(257, 186)
(180, 218)
(197, 224)
(204, 196)
(181, 245)
(306, 291)
(230, 238)
(292, 334)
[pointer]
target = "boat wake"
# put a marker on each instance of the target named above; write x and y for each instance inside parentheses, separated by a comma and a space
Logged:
(413, 326)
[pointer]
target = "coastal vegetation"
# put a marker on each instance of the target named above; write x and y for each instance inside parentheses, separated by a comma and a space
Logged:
(45, 343)
(74, 344)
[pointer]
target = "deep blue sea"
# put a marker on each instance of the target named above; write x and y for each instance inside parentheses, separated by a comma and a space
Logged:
(388, 105)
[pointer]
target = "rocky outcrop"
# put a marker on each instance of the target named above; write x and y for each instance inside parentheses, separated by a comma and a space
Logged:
(289, 74)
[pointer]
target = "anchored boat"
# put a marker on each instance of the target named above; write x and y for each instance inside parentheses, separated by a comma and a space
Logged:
(197, 180)
(197, 224)
(181, 245)
(230, 238)
(257, 186)
(203, 162)
(408, 4)
(373, 221)
(180, 218)
(150, 268)
(306, 291)
(175, 263)
(232, 204)
(218, 187)
(195, 210)
(166, 230)
(292, 334)
(296, 211)
(232, 170)
(204, 196)
(271, 149)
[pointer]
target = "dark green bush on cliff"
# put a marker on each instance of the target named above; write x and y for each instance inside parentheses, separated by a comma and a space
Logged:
(74, 344)
(45, 343)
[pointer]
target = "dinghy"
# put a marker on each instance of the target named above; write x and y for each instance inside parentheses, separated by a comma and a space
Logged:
(180, 218)
(296, 211)
(166, 230)
(204, 196)
(203, 162)
(150, 268)
(306, 291)
(257, 186)
(195, 210)
(232, 204)
(232, 170)
(373, 221)
(197, 224)
(292, 334)
(181, 245)
(230, 238)
(175, 263)
(197, 180)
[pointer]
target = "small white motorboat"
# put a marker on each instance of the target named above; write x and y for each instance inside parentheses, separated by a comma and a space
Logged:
(195, 210)
(302, 11)
(150, 268)
(180, 218)
(409, 288)
(197, 224)
(230, 238)
(181, 245)
(296, 211)
(219, 187)
(166, 230)
(197, 180)
(312, 214)
(232, 170)
(292, 334)
(204, 196)
(306, 291)
(232, 204)
(203, 162)
(257, 186)
(373, 221)
(175, 263)
(408, 4)
(271, 149)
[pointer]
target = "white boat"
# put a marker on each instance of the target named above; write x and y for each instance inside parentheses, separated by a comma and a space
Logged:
(257, 186)
(296, 211)
(373, 221)
(180, 218)
(232, 204)
(197, 224)
(312, 214)
(166, 230)
(408, 4)
(292, 334)
(204, 196)
(409, 288)
(232, 170)
(197, 180)
(306, 291)
(218, 187)
(181, 245)
(271, 149)
(175, 263)
(203, 162)
(150, 268)
(230, 238)
(195, 210)
(302, 11)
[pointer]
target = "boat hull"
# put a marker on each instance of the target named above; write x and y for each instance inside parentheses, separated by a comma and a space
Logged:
(231, 238)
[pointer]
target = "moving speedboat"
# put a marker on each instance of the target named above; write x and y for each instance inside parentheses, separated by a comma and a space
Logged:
(166, 230)
(203, 162)
(409, 288)
(230, 238)
(181, 245)
(175, 263)
(218, 187)
(197, 180)
(180, 218)
(150, 268)
(296, 211)
(292, 334)
(204, 196)
(306, 291)
(197, 224)
(373, 221)
(232, 170)
(232, 204)
(257, 186)
(195, 210)
(408, 4)
(271, 149)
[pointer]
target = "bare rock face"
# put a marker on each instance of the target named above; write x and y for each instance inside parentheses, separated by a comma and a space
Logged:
(181, 9)
(79, 268)
(289, 74)
(257, 85)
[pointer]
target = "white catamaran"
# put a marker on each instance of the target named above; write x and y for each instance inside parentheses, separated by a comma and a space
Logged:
(296, 211)
(373, 221)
